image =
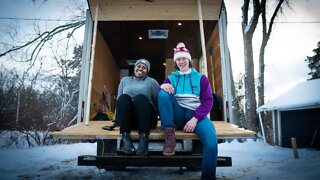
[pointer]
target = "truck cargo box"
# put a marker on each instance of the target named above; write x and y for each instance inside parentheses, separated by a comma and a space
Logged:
(117, 33)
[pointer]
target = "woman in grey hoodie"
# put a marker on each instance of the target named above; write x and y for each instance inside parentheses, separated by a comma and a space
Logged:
(136, 107)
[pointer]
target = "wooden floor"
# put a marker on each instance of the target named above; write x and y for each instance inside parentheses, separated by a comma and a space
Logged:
(94, 131)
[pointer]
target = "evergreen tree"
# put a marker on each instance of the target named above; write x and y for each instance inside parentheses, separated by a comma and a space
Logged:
(314, 63)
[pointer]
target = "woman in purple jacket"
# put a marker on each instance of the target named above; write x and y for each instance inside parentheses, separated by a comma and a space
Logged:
(184, 101)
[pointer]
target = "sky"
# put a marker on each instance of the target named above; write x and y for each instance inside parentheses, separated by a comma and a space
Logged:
(51, 9)
(290, 43)
(250, 160)
(21, 15)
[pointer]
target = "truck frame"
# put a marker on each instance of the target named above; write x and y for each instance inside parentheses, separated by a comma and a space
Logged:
(117, 33)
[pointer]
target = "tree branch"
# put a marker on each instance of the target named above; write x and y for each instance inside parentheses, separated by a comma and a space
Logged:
(43, 38)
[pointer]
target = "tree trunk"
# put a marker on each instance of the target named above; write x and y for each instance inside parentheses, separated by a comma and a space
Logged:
(265, 38)
(18, 108)
(248, 29)
(261, 77)
(250, 95)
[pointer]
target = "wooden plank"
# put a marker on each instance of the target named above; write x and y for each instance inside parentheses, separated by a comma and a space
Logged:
(94, 131)
(105, 72)
(115, 10)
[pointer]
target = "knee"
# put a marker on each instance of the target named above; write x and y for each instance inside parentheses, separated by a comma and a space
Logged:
(163, 94)
(123, 98)
(140, 98)
(141, 101)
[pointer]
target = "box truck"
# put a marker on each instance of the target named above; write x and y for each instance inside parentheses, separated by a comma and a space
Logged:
(117, 33)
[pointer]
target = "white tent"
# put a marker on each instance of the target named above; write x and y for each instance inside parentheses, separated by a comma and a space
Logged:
(305, 95)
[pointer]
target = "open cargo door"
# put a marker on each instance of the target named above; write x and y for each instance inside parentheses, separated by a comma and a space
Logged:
(126, 30)
(85, 65)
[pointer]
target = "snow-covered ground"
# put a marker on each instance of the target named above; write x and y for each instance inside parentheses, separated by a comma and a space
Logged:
(251, 160)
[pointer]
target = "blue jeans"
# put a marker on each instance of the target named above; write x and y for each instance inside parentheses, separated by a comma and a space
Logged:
(172, 115)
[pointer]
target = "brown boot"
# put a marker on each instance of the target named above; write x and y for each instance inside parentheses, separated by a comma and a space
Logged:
(170, 142)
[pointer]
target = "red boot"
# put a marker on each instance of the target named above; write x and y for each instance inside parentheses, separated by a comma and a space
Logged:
(170, 142)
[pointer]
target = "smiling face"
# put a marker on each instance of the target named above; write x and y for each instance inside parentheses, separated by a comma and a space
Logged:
(140, 70)
(183, 64)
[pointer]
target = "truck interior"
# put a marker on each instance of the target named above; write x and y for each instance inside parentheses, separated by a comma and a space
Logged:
(129, 30)
(152, 40)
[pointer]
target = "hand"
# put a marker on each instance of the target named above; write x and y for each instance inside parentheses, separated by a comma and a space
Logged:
(167, 87)
(191, 125)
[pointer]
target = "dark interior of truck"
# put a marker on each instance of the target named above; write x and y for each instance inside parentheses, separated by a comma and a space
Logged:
(152, 40)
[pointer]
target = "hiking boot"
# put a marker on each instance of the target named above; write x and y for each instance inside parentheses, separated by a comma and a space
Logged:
(143, 145)
(127, 145)
(170, 142)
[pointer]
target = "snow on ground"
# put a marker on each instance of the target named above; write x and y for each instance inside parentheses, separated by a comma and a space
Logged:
(251, 160)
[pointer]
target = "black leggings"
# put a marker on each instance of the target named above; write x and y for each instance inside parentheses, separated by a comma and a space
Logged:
(135, 114)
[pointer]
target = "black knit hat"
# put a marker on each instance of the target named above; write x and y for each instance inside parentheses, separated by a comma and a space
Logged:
(143, 61)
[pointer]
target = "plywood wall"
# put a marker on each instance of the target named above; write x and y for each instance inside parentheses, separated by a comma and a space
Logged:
(214, 63)
(169, 67)
(105, 73)
(114, 10)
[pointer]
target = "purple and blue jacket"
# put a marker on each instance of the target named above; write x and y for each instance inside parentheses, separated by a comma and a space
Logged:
(192, 91)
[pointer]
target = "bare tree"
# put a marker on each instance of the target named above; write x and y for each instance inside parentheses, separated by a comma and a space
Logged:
(35, 108)
(265, 38)
(34, 113)
(34, 40)
(67, 88)
(8, 90)
(40, 39)
(238, 101)
(248, 29)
